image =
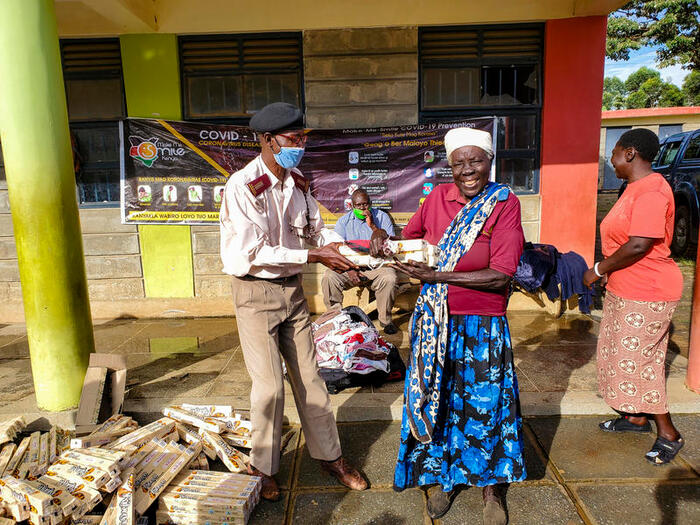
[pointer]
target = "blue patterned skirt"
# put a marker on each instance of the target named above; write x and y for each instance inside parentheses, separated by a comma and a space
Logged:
(478, 436)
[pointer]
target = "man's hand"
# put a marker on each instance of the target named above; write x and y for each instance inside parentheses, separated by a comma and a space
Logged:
(417, 270)
(354, 277)
(329, 256)
(376, 242)
(369, 220)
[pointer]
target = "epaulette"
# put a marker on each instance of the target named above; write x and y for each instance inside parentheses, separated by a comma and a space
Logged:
(301, 182)
(259, 185)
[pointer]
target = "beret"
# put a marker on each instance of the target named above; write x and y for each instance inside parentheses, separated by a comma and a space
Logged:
(277, 116)
(459, 137)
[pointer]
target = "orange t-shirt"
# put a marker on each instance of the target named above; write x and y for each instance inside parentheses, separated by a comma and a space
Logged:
(645, 209)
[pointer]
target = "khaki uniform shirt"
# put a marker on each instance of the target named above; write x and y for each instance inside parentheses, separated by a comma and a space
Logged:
(262, 233)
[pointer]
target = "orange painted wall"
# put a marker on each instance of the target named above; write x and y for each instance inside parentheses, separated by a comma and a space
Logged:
(573, 90)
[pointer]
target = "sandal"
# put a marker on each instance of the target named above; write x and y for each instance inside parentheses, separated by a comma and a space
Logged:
(664, 450)
(621, 424)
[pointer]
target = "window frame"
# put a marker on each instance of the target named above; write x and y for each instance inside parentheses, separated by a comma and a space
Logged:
(499, 111)
(242, 71)
(695, 160)
(95, 122)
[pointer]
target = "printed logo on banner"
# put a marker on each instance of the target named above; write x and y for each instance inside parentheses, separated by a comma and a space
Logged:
(144, 150)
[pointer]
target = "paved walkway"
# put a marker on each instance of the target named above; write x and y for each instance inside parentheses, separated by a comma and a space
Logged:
(576, 474)
(182, 360)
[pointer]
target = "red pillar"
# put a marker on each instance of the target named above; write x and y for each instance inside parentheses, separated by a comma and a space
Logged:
(573, 90)
(692, 376)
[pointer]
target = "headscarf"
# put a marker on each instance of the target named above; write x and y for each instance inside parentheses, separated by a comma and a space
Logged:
(459, 137)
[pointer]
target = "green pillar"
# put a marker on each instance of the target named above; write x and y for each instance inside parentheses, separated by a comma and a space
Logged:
(41, 185)
(152, 87)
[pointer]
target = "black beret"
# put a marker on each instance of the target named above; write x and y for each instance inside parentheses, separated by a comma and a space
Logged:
(277, 116)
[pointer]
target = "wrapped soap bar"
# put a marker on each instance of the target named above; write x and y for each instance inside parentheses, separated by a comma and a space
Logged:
(205, 411)
(180, 414)
(5, 456)
(125, 502)
(232, 458)
(144, 499)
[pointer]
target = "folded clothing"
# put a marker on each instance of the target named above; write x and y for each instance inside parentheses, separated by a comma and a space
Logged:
(345, 344)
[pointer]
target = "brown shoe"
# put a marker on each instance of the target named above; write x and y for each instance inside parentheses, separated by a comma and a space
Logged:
(345, 473)
(270, 491)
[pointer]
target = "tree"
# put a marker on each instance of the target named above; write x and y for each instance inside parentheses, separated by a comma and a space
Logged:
(671, 96)
(691, 89)
(645, 89)
(614, 93)
(639, 77)
(672, 26)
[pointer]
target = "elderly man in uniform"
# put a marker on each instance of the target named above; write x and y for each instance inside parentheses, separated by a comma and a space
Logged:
(358, 225)
(267, 216)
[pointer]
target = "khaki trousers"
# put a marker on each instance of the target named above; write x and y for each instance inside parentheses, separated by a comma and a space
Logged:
(274, 324)
(382, 282)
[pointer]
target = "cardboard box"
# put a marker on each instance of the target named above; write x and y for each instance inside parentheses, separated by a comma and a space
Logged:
(103, 391)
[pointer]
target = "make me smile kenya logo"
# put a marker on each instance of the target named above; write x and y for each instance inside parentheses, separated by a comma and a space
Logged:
(148, 150)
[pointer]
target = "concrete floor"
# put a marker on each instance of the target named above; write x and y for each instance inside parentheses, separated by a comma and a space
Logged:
(181, 360)
(576, 474)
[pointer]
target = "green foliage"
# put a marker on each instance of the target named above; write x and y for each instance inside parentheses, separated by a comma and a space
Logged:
(639, 77)
(691, 89)
(671, 25)
(645, 89)
(614, 93)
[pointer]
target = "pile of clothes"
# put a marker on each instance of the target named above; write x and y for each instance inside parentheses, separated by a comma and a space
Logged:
(345, 343)
(543, 267)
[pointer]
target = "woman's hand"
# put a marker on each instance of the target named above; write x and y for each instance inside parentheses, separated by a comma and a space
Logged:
(420, 271)
(589, 277)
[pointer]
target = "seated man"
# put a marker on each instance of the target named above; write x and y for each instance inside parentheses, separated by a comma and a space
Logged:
(359, 224)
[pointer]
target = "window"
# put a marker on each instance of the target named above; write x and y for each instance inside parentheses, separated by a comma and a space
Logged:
(666, 130)
(229, 77)
(92, 70)
(692, 152)
(668, 153)
(482, 71)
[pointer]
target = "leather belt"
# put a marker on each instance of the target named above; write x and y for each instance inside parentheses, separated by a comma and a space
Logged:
(276, 280)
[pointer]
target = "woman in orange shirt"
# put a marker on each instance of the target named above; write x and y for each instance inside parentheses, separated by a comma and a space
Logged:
(644, 286)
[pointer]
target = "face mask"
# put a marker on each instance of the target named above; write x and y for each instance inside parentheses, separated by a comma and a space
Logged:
(360, 214)
(289, 158)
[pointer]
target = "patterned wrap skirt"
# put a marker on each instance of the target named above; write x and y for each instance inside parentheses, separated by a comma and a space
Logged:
(478, 436)
(632, 354)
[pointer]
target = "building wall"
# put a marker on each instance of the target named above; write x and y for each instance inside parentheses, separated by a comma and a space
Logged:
(352, 78)
(688, 122)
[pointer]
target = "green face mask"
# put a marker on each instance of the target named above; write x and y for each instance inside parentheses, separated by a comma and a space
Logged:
(359, 213)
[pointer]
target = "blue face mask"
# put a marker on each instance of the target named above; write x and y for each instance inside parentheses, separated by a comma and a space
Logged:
(289, 158)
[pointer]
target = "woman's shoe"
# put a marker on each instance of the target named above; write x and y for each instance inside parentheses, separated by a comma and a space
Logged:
(439, 501)
(621, 424)
(664, 450)
(494, 513)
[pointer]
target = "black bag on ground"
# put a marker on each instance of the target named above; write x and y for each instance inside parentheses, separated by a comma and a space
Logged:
(338, 380)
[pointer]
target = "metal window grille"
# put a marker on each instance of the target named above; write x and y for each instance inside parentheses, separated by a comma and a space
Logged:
(229, 77)
(92, 72)
(488, 70)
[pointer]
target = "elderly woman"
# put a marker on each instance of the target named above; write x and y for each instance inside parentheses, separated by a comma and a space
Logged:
(461, 421)
(643, 289)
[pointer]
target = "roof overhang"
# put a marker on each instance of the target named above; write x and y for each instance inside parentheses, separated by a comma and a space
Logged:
(116, 17)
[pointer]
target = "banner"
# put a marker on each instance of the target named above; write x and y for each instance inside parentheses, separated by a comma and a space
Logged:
(175, 172)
